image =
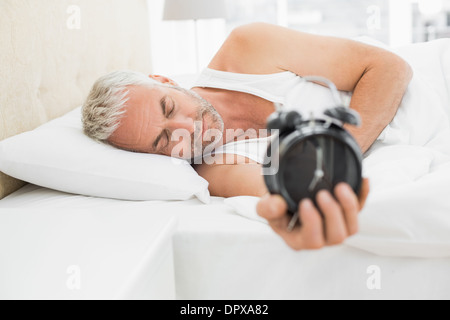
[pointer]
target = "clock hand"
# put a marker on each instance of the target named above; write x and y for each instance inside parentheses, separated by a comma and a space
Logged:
(319, 156)
(328, 171)
(318, 173)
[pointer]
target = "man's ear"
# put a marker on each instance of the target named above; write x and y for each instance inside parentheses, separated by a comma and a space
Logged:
(163, 79)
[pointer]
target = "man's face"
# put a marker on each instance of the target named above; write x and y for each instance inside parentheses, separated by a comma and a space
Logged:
(167, 120)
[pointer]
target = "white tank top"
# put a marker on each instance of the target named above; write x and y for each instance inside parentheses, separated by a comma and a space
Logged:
(284, 88)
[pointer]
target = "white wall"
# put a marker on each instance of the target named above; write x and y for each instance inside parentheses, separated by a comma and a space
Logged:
(173, 42)
(401, 24)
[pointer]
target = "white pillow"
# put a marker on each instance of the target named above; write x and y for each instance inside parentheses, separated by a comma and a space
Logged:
(59, 156)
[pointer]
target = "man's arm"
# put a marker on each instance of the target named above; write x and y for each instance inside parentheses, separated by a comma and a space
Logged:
(239, 176)
(378, 80)
(377, 77)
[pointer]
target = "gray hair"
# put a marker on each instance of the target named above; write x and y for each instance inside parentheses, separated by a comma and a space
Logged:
(104, 106)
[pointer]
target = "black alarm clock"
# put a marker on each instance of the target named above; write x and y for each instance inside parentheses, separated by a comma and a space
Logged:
(312, 154)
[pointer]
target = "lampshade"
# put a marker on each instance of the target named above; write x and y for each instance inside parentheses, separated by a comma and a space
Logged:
(194, 9)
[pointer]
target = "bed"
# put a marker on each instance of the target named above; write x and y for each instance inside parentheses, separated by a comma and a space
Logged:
(64, 245)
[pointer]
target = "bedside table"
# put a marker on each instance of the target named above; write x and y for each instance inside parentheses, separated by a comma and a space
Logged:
(89, 253)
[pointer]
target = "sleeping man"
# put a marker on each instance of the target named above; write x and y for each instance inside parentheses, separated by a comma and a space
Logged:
(256, 66)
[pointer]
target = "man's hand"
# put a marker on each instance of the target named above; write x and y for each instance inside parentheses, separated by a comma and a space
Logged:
(340, 217)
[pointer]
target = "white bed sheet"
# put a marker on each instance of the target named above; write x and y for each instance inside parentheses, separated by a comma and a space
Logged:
(217, 254)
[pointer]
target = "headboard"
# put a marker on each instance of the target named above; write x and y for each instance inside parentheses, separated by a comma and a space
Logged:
(52, 51)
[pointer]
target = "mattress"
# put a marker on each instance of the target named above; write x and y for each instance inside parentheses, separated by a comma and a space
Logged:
(214, 253)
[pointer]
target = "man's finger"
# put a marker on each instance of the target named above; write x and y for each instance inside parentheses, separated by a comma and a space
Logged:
(335, 228)
(311, 234)
(350, 205)
(271, 207)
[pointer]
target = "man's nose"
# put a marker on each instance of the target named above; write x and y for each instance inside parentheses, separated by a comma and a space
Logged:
(184, 123)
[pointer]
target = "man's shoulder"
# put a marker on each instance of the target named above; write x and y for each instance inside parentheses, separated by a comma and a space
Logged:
(243, 50)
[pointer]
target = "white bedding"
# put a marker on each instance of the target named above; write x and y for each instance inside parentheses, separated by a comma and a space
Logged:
(217, 254)
(408, 211)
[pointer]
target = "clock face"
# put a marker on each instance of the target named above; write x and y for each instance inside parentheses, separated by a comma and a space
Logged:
(315, 163)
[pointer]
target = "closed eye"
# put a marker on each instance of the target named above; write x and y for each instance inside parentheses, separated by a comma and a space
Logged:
(164, 133)
(172, 110)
